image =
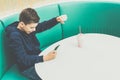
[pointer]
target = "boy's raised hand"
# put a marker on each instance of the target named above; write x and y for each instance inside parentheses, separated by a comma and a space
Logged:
(61, 18)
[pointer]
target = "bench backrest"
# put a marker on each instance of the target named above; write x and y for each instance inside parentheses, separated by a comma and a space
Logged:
(93, 17)
(3, 60)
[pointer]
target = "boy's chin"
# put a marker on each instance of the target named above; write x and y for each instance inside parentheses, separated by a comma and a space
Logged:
(28, 32)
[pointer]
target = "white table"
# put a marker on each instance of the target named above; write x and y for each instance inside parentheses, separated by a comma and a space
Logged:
(98, 58)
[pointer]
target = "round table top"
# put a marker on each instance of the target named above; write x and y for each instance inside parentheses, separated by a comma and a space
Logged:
(97, 58)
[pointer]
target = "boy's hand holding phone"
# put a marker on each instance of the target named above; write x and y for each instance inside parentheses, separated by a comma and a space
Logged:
(51, 55)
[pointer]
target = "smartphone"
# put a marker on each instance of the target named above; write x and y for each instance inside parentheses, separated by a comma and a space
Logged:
(56, 47)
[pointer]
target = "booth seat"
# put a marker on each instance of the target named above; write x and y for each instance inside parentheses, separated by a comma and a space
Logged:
(2, 54)
(93, 17)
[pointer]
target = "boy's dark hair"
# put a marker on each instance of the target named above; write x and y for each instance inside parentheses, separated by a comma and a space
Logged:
(28, 16)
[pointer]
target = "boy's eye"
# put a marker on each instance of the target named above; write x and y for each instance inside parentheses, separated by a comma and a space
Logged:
(32, 27)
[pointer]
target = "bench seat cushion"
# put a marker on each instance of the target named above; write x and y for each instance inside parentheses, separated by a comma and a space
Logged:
(13, 74)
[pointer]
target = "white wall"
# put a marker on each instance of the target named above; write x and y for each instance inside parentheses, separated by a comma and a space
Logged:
(8, 7)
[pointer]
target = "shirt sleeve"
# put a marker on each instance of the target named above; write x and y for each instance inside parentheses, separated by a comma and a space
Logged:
(17, 48)
(46, 25)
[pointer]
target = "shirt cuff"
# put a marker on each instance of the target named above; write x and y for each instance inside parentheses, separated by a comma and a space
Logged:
(39, 59)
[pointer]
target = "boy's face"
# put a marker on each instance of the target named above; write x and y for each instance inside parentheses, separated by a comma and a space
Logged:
(29, 28)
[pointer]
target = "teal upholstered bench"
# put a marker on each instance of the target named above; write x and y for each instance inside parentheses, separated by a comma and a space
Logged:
(93, 17)
(2, 54)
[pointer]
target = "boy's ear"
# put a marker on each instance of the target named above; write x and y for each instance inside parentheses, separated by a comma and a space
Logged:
(21, 24)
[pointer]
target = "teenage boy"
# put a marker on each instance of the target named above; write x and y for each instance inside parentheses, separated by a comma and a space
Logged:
(23, 43)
